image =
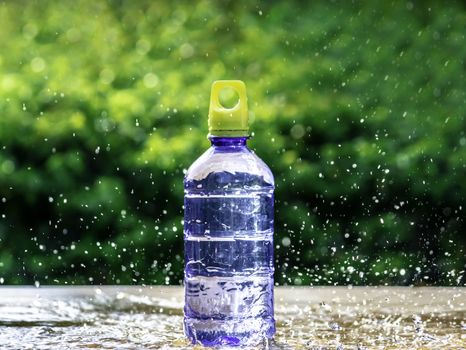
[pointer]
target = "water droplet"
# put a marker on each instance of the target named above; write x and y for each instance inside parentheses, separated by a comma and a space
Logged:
(286, 241)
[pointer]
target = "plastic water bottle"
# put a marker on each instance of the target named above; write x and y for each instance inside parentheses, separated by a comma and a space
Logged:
(228, 233)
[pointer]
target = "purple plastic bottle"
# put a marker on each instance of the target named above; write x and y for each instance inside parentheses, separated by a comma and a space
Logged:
(228, 233)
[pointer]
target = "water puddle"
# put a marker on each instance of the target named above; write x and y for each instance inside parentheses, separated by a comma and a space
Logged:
(307, 318)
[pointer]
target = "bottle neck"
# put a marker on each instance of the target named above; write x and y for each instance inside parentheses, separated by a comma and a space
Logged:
(228, 142)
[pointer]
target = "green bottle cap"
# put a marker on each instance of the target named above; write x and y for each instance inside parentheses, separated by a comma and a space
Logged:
(228, 121)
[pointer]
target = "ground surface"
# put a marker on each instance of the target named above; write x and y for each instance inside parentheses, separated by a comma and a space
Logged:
(307, 318)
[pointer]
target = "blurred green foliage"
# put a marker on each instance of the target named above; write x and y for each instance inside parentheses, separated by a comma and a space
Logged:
(358, 108)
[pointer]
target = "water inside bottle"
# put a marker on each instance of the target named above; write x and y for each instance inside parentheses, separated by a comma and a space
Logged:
(229, 259)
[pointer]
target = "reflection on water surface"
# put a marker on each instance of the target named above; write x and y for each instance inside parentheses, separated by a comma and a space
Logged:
(307, 318)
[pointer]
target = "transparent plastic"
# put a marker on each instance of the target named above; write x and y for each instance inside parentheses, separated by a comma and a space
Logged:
(228, 232)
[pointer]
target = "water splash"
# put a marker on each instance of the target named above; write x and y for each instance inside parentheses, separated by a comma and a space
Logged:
(307, 318)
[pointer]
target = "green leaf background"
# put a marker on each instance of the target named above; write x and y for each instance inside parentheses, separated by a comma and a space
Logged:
(358, 108)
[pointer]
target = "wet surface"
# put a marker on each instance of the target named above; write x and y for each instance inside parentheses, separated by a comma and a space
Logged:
(307, 318)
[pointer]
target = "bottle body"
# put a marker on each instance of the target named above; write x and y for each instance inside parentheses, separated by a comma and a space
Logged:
(228, 232)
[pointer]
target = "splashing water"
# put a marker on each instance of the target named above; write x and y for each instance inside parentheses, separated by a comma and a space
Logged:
(307, 318)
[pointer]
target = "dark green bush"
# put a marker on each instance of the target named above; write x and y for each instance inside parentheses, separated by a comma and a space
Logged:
(359, 109)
